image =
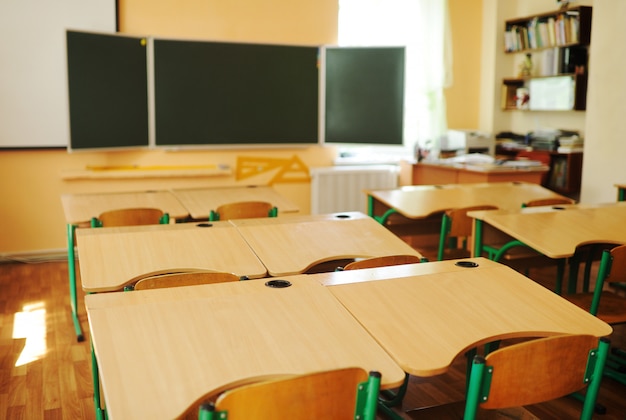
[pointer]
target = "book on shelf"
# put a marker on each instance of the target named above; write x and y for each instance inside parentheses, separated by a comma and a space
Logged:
(541, 32)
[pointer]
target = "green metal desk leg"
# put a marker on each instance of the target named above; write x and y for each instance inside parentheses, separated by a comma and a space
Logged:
(392, 399)
(621, 194)
(370, 206)
(370, 211)
(71, 268)
(100, 413)
(445, 227)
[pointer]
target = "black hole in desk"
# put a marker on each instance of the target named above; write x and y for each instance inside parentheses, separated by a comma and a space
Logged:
(342, 216)
(278, 284)
(466, 264)
(558, 208)
(438, 186)
(204, 224)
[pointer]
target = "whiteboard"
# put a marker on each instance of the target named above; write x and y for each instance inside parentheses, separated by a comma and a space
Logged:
(33, 66)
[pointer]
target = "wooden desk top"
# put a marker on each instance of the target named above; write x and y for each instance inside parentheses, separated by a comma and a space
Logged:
(111, 258)
(200, 201)
(80, 208)
(416, 202)
(557, 231)
(426, 314)
(486, 167)
(159, 351)
(292, 244)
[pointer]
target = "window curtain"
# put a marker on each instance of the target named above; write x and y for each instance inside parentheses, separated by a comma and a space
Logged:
(423, 28)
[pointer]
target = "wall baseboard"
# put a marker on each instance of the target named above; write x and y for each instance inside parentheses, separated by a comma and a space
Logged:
(33, 257)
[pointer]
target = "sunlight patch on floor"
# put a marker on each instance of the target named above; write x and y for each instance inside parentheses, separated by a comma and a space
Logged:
(31, 325)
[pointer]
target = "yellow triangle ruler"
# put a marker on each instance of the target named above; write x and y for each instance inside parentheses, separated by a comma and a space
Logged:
(289, 170)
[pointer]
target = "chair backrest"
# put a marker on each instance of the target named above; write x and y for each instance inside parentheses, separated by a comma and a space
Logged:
(461, 223)
(612, 270)
(383, 261)
(244, 210)
(336, 394)
(130, 217)
(183, 279)
(548, 202)
(615, 265)
(536, 371)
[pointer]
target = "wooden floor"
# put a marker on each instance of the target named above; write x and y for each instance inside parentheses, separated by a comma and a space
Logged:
(53, 381)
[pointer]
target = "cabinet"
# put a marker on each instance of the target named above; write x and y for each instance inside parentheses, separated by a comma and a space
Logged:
(554, 46)
(564, 176)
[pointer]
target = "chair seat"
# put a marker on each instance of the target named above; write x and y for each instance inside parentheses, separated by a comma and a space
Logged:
(612, 309)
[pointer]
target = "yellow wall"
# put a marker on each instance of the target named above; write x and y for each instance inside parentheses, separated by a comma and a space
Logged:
(31, 216)
(266, 21)
(461, 98)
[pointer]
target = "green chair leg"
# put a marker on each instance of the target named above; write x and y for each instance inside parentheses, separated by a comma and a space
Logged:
(71, 268)
(473, 391)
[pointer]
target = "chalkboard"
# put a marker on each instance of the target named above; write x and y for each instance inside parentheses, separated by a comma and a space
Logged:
(108, 91)
(218, 93)
(364, 91)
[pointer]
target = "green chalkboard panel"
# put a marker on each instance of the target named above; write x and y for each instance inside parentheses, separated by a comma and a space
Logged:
(364, 91)
(218, 93)
(108, 91)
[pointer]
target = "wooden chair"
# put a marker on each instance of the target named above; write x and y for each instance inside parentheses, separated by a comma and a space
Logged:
(606, 304)
(457, 225)
(385, 261)
(536, 371)
(548, 202)
(191, 278)
(337, 394)
(130, 217)
(243, 210)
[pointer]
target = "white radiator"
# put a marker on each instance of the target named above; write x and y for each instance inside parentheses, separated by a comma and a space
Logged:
(340, 188)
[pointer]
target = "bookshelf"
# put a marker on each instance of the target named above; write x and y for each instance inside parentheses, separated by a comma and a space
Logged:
(554, 46)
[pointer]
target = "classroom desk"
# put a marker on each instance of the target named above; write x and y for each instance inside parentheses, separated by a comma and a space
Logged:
(417, 210)
(427, 314)
(423, 201)
(111, 258)
(293, 244)
(80, 208)
(159, 351)
(425, 173)
(555, 231)
(200, 201)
